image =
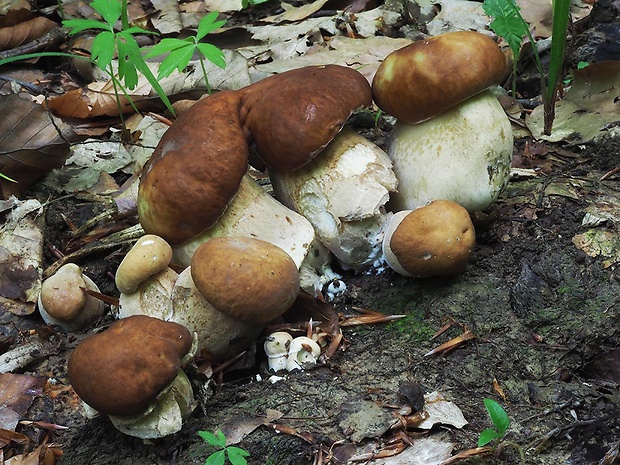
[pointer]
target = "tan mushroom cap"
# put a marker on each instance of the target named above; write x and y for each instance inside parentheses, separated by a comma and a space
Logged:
(121, 371)
(245, 278)
(64, 302)
(293, 115)
(434, 240)
(149, 255)
(195, 170)
(421, 80)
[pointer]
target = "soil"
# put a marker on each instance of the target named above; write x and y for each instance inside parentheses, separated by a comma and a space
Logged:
(544, 313)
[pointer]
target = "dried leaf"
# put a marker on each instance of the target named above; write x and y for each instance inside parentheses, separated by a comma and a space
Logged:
(441, 411)
(424, 451)
(589, 105)
(22, 33)
(295, 13)
(21, 255)
(16, 395)
(30, 145)
(452, 343)
(169, 18)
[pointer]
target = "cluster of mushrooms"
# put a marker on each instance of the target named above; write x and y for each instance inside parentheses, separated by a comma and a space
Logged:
(244, 254)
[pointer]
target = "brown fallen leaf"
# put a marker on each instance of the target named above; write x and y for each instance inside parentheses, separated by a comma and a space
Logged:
(22, 33)
(17, 392)
(30, 145)
(467, 454)
(452, 343)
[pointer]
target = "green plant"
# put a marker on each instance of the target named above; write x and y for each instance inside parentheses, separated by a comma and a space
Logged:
(123, 43)
(235, 455)
(180, 51)
(501, 422)
(508, 23)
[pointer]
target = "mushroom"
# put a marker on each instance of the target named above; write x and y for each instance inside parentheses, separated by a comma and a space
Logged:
(233, 287)
(302, 353)
(342, 192)
(133, 372)
(452, 140)
(198, 164)
(64, 302)
(149, 255)
(276, 348)
(434, 240)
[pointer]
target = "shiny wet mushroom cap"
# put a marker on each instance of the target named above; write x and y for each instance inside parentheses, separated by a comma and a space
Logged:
(421, 80)
(121, 370)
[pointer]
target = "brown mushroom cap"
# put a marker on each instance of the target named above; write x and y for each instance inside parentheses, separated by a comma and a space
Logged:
(245, 278)
(195, 170)
(293, 115)
(121, 371)
(62, 294)
(423, 79)
(434, 240)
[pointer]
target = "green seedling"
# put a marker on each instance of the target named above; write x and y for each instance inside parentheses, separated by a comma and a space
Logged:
(497, 434)
(500, 420)
(508, 23)
(180, 51)
(235, 455)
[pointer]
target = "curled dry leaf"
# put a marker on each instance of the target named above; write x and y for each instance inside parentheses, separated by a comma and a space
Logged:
(22, 33)
(17, 393)
(30, 144)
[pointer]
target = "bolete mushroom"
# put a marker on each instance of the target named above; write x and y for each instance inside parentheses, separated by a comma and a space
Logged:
(199, 162)
(342, 192)
(133, 372)
(149, 255)
(303, 353)
(233, 287)
(452, 140)
(434, 240)
(276, 348)
(64, 302)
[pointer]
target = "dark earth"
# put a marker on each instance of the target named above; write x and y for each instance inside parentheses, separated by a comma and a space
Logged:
(545, 315)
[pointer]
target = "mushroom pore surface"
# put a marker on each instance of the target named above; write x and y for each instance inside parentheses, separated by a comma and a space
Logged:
(121, 370)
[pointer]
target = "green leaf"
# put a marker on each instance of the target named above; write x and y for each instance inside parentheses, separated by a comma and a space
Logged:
(127, 58)
(166, 46)
(208, 24)
(217, 440)
(213, 54)
(487, 436)
(498, 415)
(177, 59)
(507, 22)
(110, 10)
(4, 176)
(236, 455)
(216, 458)
(80, 25)
(103, 49)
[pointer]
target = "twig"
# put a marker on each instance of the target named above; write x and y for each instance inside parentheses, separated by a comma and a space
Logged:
(53, 37)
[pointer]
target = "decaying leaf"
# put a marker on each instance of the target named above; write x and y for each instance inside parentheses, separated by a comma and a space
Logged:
(22, 33)
(452, 343)
(441, 411)
(17, 393)
(364, 419)
(423, 451)
(30, 144)
(591, 103)
(169, 18)
(600, 243)
(21, 255)
(296, 13)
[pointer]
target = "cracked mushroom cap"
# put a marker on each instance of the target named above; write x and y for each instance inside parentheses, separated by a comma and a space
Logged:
(195, 170)
(434, 240)
(122, 370)
(293, 115)
(245, 278)
(421, 80)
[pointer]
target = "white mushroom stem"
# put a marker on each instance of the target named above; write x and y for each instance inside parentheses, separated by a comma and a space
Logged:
(152, 298)
(342, 192)
(166, 414)
(463, 155)
(276, 347)
(303, 353)
(254, 213)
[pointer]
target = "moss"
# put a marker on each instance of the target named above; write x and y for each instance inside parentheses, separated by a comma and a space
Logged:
(414, 326)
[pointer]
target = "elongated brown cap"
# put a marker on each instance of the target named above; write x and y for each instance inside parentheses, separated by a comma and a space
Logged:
(195, 170)
(293, 115)
(121, 370)
(424, 79)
